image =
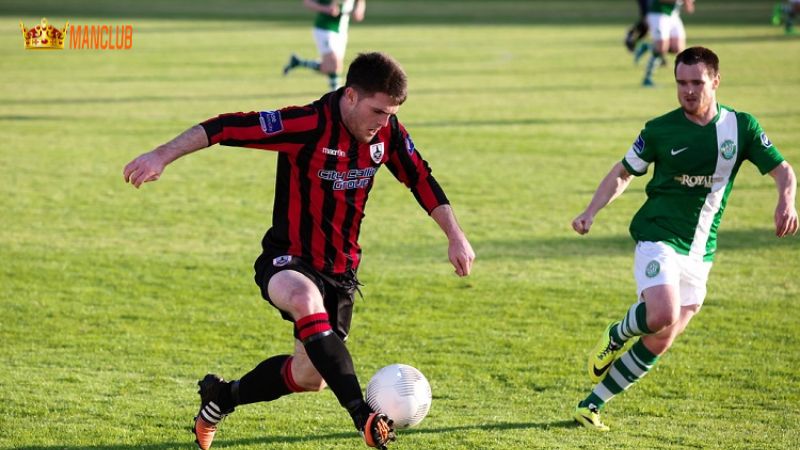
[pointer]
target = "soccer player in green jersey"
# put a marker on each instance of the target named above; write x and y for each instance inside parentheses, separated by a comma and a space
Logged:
(330, 34)
(785, 13)
(696, 151)
(666, 27)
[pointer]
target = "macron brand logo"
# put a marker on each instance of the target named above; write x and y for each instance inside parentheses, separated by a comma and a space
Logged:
(674, 152)
(334, 152)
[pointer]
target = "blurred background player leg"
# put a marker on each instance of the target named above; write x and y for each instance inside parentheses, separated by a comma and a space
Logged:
(792, 10)
(777, 13)
(669, 35)
(634, 38)
(658, 31)
(330, 62)
(330, 34)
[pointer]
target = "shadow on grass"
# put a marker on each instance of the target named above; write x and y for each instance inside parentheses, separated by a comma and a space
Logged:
(222, 442)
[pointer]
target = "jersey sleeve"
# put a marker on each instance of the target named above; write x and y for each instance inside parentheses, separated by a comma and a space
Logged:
(757, 146)
(283, 130)
(408, 166)
(640, 155)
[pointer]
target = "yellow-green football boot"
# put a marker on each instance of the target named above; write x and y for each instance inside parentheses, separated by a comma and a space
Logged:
(604, 353)
(589, 417)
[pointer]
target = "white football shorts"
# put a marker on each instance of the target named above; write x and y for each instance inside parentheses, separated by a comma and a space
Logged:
(665, 26)
(656, 263)
(330, 42)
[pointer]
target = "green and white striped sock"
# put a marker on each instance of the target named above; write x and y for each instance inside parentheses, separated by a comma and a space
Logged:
(634, 324)
(309, 63)
(655, 59)
(628, 369)
(334, 80)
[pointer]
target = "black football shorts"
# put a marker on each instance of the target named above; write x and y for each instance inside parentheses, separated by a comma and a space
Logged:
(338, 291)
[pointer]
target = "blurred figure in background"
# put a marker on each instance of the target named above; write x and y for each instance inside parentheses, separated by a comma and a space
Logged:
(634, 38)
(330, 34)
(666, 27)
(784, 13)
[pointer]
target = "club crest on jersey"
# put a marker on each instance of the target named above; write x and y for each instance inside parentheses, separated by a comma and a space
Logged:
(727, 149)
(376, 152)
(409, 144)
(271, 122)
(281, 261)
(652, 269)
(638, 145)
(765, 140)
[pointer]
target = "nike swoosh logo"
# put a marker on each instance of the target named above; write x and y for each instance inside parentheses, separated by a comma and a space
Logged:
(602, 370)
(674, 152)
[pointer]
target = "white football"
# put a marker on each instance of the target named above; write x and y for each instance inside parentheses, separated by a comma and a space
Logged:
(402, 393)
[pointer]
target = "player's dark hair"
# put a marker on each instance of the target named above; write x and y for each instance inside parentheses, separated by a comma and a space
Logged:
(694, 55)
(371, 73)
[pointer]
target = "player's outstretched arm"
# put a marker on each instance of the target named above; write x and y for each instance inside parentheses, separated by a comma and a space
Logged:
(786, 221)
(459, 249)
(359, 10)
(612, 186)
(149, 166)
(331, 10)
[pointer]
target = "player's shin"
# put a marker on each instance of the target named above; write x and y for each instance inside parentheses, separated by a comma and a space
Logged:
(330, 357)
(627, 370)
(266, 382)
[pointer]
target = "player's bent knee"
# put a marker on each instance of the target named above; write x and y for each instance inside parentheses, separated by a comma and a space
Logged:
(666, 319)
(658, 345)
(660, 319)
(300, 304)
(310, 382)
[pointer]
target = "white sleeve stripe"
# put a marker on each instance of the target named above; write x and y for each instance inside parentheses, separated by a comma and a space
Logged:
(636, 163)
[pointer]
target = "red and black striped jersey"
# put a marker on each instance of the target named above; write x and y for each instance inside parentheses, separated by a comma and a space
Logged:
(324, 176)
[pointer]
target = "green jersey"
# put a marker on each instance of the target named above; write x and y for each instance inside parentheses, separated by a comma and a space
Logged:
(339, 23)
(664, 7)
(694, 169)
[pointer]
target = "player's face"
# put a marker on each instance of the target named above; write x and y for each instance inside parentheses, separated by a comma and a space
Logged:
(696, 88)
(366, 115)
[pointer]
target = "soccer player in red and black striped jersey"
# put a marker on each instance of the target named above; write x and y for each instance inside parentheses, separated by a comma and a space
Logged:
(328, 155)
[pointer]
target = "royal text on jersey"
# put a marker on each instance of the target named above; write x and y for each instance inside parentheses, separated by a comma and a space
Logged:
(697, 180)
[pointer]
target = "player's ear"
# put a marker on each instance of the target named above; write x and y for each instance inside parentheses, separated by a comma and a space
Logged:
(351, 95)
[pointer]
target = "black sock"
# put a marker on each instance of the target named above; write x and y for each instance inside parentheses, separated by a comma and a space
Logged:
(330, 357)
(264, 383)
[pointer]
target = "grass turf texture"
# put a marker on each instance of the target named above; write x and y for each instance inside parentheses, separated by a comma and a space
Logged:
(116, 301)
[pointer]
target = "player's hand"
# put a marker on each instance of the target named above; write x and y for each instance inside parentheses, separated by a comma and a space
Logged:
(786, 221)
(146, 167)
(461, 255)
(334, 11)
(583, 223)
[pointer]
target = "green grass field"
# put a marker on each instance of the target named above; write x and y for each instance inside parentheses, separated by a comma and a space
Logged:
(115, 301)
